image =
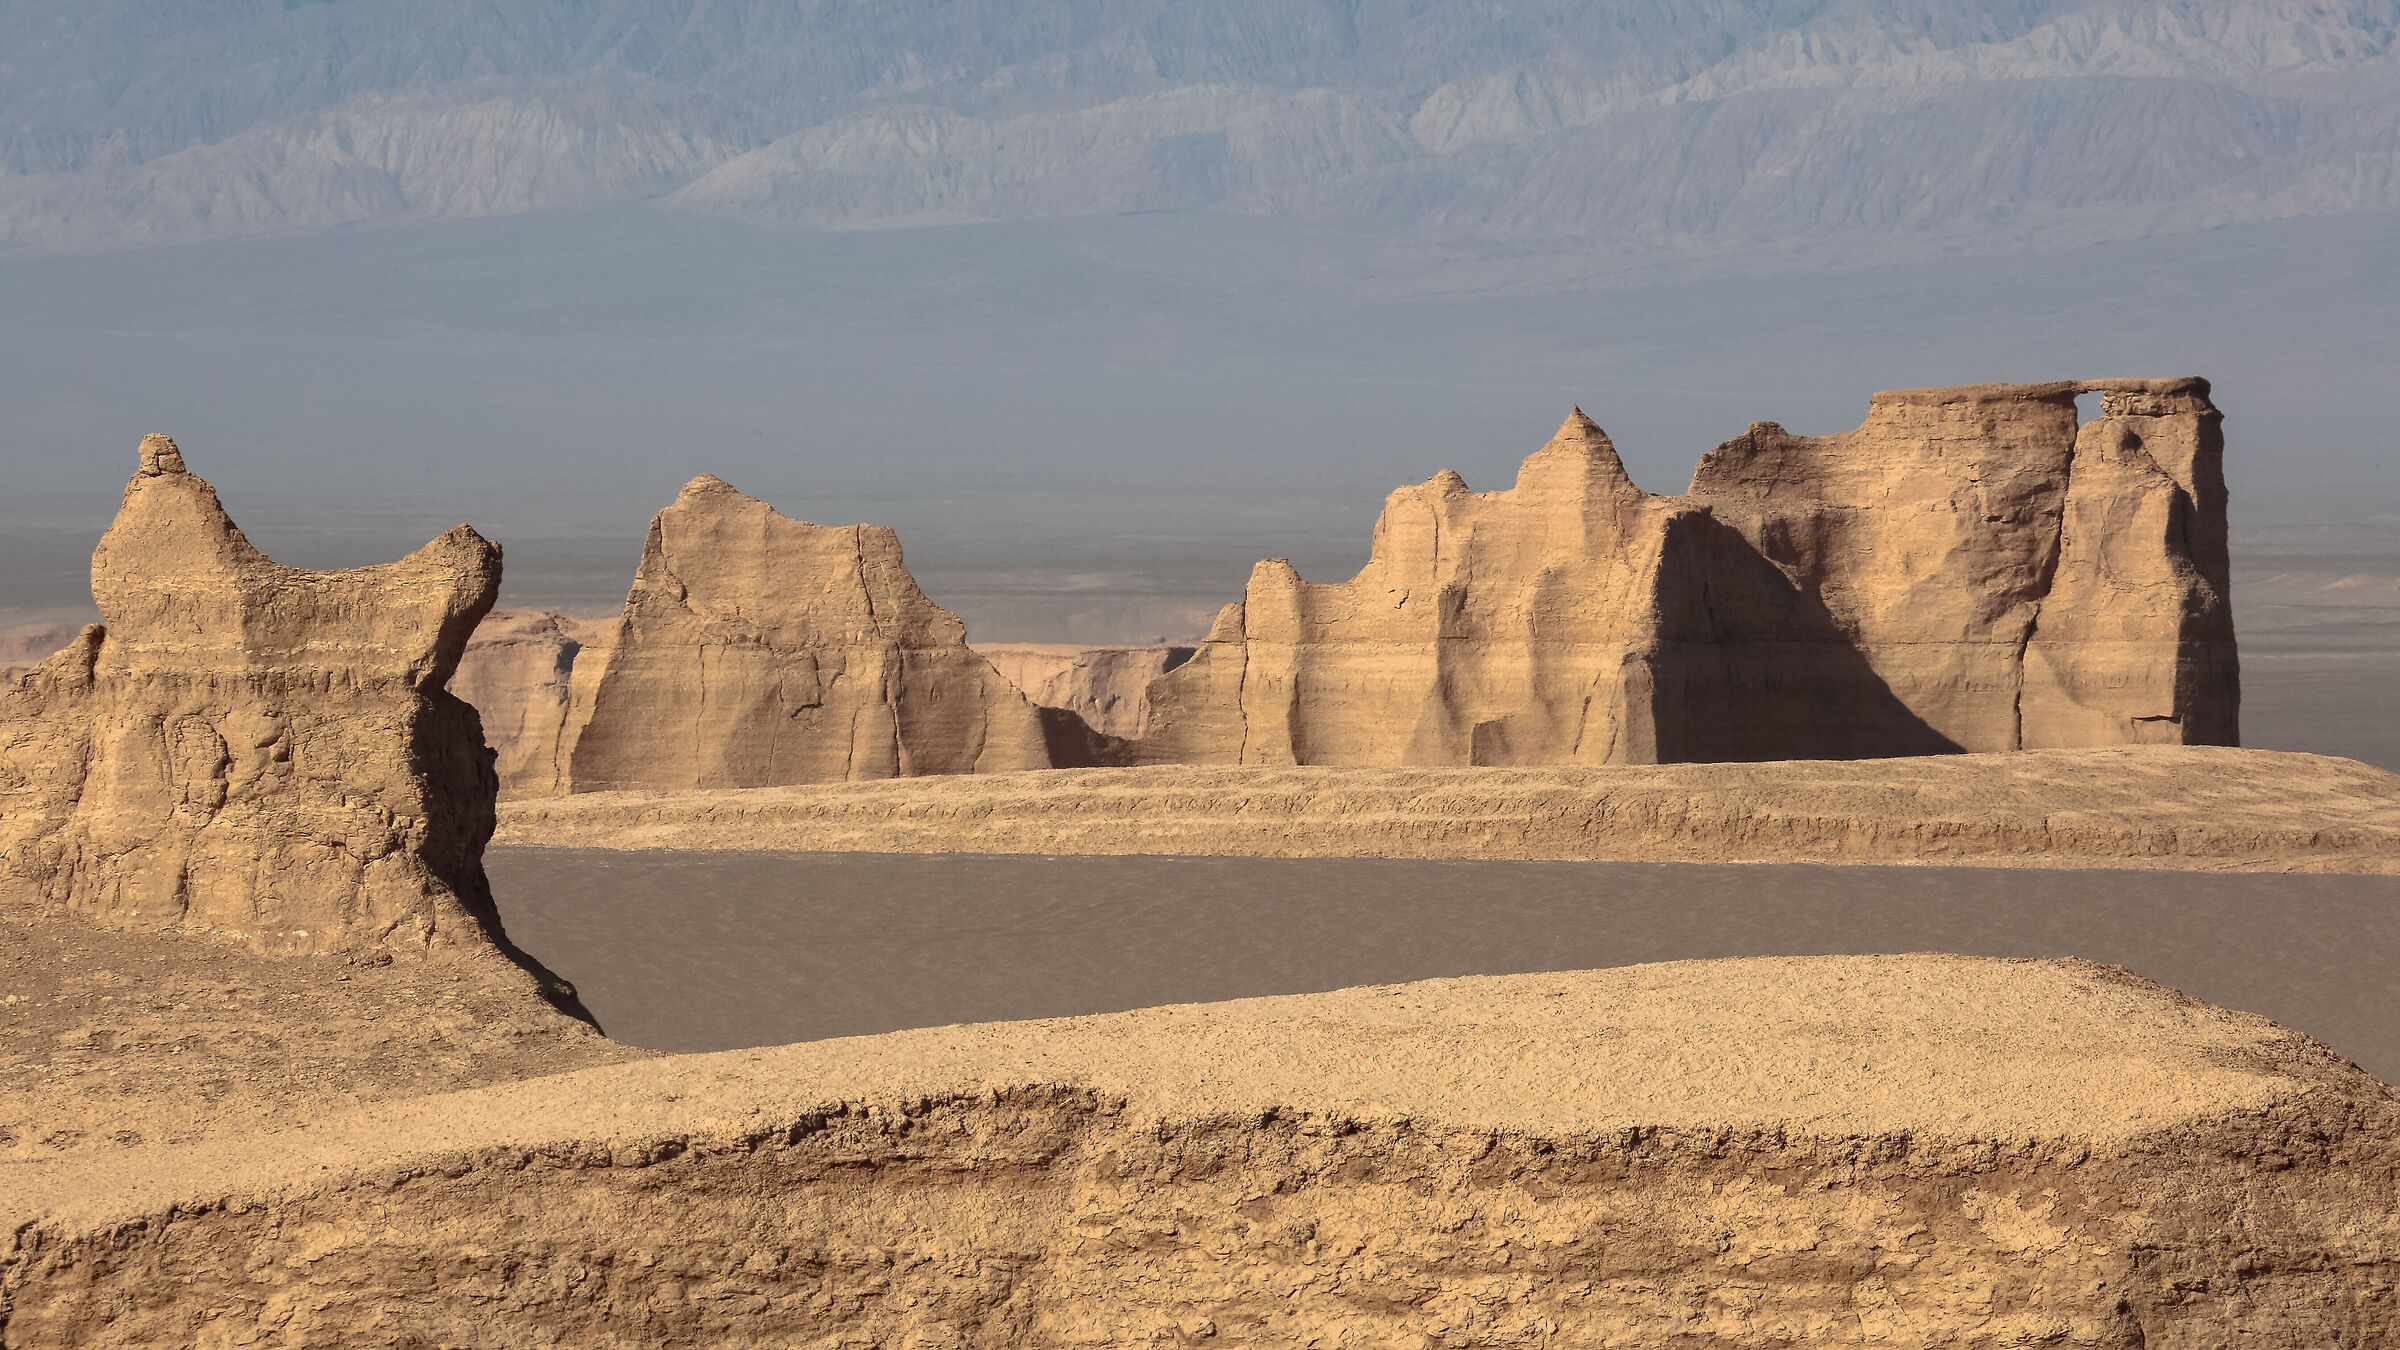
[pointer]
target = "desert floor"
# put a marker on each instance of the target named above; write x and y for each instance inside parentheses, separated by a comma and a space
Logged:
(690, 951)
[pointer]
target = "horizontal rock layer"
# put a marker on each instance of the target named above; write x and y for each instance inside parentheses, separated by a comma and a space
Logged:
(1851, 1150)
(2151, 806)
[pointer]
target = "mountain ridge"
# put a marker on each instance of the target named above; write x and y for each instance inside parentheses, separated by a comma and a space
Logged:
(126, 124)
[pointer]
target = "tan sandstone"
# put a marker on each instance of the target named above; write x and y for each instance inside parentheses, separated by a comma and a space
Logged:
(1922, 1150)
(249, 749)
(758, 650)
(2195, 807)
(1966, 570)
(246, 755)
(520, 672)
(1105, 686)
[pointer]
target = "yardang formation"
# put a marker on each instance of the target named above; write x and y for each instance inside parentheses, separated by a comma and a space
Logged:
(1968, 570)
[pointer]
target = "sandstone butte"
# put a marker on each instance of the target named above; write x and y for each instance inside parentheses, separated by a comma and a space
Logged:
(1924, 1150)
(757, 650)
(1907, 1150)
(1968, 570)
(258, 754)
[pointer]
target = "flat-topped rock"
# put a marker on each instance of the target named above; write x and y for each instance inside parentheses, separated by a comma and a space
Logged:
(521, 671)
(1846, 1150)
(2200, 807)
(1970, 569)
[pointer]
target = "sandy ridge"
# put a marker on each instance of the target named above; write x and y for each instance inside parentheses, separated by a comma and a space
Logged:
(1933, 1048)
(1927, 1150)
(2187, 807)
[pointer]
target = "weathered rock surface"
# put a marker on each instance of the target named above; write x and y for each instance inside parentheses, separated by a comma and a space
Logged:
(1105, 686)
(1967, 570)
(2013, 579)
(251, 750)
(2199, 807)
(519, 672)
(758, 650)
(1917, 1150)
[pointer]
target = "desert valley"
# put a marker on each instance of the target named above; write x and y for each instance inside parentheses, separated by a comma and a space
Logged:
(277, 1070)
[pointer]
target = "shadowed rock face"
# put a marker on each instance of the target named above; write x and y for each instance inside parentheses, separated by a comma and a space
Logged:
(251, 750)
(2014, 580)
(1967, 570)
(757, 650)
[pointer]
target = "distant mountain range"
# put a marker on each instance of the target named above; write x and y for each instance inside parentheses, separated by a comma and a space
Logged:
(132, 121)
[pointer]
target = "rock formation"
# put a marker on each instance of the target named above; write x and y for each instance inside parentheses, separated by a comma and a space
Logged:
(520, 672)
(1967, 570)
(1108, 687)
(2014, 580)
(758, 650)
(1917, 1150)
(250, 750)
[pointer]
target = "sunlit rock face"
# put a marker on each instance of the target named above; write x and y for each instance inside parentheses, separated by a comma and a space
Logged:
(758, 650)
(1968, 570)
(251, 750)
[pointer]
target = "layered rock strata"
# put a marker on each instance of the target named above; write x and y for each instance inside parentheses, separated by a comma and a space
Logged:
(758, 650)
(1105, 686)
(1833, 1151)
(1966, 570)
(2198, 807)
(251, 751)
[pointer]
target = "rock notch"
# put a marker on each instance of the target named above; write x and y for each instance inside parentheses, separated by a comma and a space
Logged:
(250, 750)
(756, 650)
(1967, 570)
(1108, 687)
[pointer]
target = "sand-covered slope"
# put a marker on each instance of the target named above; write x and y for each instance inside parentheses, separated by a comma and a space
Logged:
(2146, 806)
(1900, 1150)
(111, 1039)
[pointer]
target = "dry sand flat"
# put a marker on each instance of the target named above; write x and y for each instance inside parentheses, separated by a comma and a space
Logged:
(2142, 806)
(1919, 1150)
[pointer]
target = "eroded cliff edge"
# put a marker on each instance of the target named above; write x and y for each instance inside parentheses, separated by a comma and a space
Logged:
(1968, 570)
(1849, 1150)
(757, 650)
(253, 755)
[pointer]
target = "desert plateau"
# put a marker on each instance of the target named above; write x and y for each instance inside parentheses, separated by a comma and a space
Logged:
(278, 1070)
(1301, 674)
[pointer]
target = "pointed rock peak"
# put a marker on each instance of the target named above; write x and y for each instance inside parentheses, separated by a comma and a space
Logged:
(1579, 429)
(159, 456)
(707, 482)
(1449, 483)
